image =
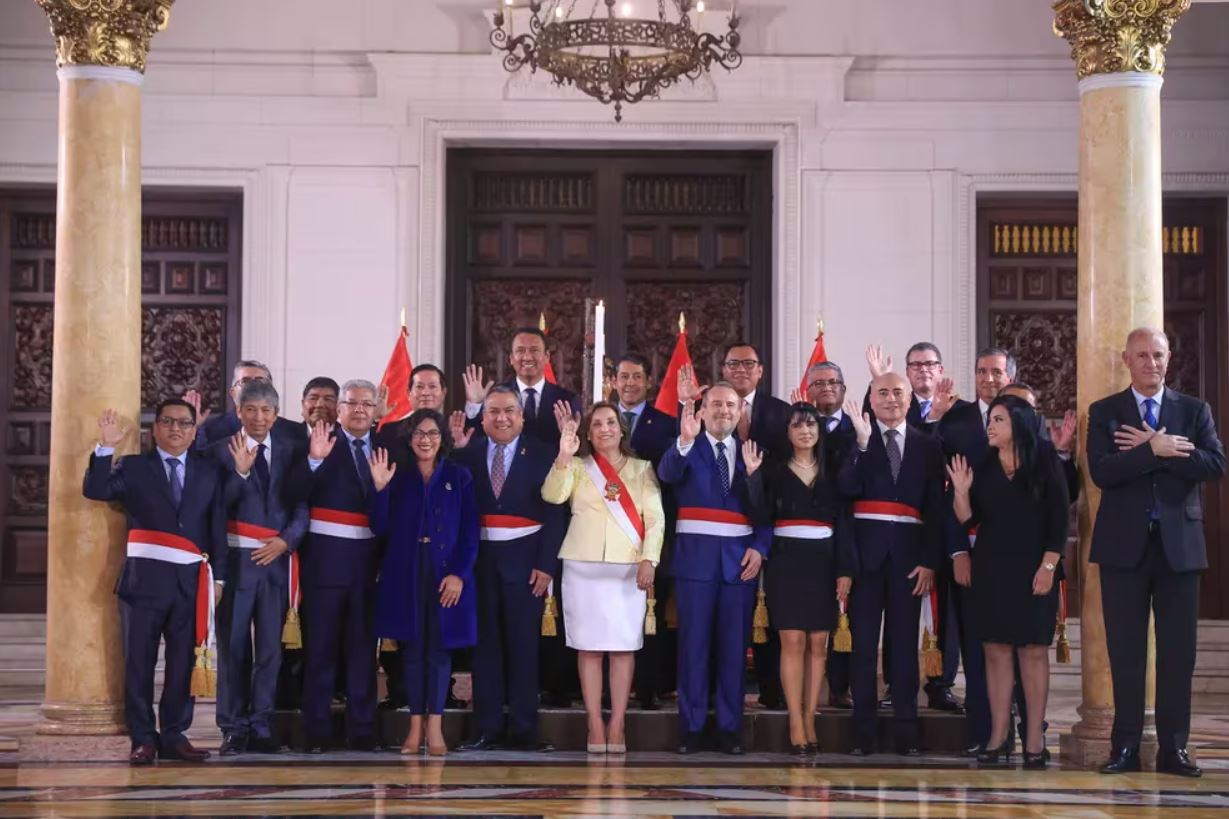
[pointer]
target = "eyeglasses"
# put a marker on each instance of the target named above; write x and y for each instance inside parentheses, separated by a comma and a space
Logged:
(243, 382)
(741, 364)
(821, 383)
(175, 423)
(918, 366)
(427, 434)
(367, 405)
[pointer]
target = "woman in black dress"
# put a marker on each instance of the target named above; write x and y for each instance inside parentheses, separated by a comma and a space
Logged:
(809, 566)
(1017, 498)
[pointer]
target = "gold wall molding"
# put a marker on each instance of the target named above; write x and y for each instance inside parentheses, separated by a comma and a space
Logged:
(1115, 36)
(114, 33)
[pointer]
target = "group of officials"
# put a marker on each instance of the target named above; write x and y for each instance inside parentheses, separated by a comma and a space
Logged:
(462, 531)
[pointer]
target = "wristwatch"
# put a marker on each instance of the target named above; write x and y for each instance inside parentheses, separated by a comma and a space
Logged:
(1049, 567)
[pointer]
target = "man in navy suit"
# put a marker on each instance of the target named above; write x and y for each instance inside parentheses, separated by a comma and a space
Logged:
(895, 476)
(176, 532)
(717, 558)
(262, 533)
(519, 541)
(652, 433)
(213, 428)
(340, 556)
(1150, 449)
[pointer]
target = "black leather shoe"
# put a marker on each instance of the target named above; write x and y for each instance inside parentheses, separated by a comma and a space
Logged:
(1177, 763)
(183, 751)
(143, 754)
(941, 699)
(389, 704)
(264, 745)
(973, 750)
(233, 745)
(649, 703)
(800, 750)
(862, 750)
(908, 749)
(812, 747)
(689, 744)
(481, 744)
(842, 701)
(1000, 755)
(1036, 762)
(315, 746)
(886, 702)
(771, 702)
(530, 746)
(1123, 760)
(364, 744)
(730, 744)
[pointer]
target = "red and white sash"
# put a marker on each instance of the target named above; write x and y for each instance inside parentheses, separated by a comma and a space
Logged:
(804, 529)
(500, 528)
(242, 535)
(888, 511)
(169, 548)
(618, 499)
(699, 520)
(930, 614)
(336, 523)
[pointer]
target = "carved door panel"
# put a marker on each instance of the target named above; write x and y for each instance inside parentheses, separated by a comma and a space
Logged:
(1027, 279)
(651, 233)
(190, 266)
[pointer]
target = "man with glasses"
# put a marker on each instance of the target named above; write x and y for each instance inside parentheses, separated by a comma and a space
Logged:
(923, 368)
(176, 533)
(339, 561)
(213, 428)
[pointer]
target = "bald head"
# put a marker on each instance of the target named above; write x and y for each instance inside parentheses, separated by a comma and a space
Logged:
(890, 396)
(1147, 358)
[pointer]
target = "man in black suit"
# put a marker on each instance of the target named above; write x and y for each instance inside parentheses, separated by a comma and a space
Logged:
(319, 403)
(652, 433)
(213, 428)
(176, 533)
(1149, 450)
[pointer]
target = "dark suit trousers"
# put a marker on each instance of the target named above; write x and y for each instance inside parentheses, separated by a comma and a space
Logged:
(247, 682)
(505, 660)
(342, 625)
(837, 669)
(557, 663)
(976, 695)
(1127, 596)
(887, 594)
(146, 620)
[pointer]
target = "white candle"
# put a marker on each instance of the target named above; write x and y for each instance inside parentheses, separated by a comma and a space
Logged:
(599, 350)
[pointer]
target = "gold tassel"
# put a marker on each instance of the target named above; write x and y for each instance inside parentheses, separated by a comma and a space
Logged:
(1063, 650)
(932, 658)
(292, 632)
(650, 614)
(759, 620)
(672, 613)
(842, 640)
(204, 679)
(548, 618)
(387, 644)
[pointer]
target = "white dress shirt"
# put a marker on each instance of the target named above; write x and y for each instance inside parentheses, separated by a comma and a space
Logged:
(251, 443)
(1140, 398)
(984, 409)
(637, 411)
(472, 409)
(729, 454)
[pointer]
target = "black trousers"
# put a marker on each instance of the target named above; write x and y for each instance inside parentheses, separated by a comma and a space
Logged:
(557, 672)
(1127, 596)
(145, 621)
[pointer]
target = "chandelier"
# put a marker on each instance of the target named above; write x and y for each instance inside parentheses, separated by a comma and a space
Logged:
(616, 58)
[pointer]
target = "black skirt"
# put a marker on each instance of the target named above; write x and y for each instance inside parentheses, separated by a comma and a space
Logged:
(800, 584)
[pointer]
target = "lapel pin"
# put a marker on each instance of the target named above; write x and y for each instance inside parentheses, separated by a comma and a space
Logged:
(447, 486)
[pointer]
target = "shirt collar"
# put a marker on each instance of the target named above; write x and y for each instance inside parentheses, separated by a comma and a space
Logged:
(252, 443)
(749, 398)
(163, 455)
(712, 442)
(1140, 398)
(982, 407)
(510, 446)
(350, 438)
(638, 409)
(836, 416)
(522, 386)
(883, 428)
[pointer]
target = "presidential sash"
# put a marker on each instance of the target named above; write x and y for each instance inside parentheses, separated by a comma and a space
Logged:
(614, 493)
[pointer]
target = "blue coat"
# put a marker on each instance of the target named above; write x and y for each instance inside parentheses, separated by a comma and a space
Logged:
(442, 517)
(655, 432)
(695, 482)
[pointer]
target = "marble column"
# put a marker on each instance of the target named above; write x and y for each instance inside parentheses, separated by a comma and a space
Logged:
(1119, 54)
(96, 358)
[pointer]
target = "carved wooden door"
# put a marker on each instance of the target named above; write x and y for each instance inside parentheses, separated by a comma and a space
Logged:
(651, 233)
(190, 266)
(1027, 278)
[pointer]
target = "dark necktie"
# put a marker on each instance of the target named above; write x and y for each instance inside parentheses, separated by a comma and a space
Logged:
(829, 423)
(924, 408)
(176, 481)
(531, 403)
(261, 470)
(499, 470)
(364, 468)
(723, 468)
(1151, 420)
(629, 418)
(893, 449)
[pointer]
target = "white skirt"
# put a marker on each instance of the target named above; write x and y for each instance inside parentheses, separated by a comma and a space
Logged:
(602, 608)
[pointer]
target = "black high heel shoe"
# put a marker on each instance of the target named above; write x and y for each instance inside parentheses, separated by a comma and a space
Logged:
(991, 756)
(800, 750)
(1036, 762)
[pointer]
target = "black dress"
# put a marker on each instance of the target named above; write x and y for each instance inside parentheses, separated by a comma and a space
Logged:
(800, 574)
(1015, 529)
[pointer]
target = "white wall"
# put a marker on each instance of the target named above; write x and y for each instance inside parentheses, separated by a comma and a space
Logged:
(887, 118)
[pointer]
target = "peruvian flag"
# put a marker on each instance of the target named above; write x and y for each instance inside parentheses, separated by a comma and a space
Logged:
(668, 392)
(549, 374)
(397, 380)
(817, 356)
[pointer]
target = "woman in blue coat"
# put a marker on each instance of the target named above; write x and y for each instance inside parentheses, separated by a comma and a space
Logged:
(425, 596)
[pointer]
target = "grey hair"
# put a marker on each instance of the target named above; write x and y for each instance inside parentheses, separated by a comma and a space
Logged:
(986, 352)
(359, 384)
(828, 365)
(722, 383)
(252, 363)
(1146, 332)
(258, 391)
(505, 389)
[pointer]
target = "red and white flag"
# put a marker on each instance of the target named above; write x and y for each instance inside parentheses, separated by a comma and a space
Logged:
(668, 392)
(818, 356)
(396, 380)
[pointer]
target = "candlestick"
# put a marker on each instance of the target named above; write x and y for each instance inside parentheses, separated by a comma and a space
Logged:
(402, 316)
(599, 351)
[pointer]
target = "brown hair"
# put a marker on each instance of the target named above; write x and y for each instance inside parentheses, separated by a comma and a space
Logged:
(586, 448)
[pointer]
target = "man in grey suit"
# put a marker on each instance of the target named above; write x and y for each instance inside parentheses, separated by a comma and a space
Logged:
(1149, 450)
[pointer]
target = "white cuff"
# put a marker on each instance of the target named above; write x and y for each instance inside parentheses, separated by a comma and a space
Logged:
(103, 451)
(954, 555)
(685, 448)
(472, 409)
(313, 463)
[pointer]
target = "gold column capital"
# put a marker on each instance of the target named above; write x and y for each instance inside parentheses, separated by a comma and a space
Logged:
(1117, 36)
(113, 33)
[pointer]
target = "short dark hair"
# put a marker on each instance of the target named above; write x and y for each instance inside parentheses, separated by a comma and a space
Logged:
(174, 402)
(639, 360)
(987, 352)
(415, 420)
(504, 389)
(529, 331)
(422, 368)
(321, 382)
(726, 353)
(921, 347)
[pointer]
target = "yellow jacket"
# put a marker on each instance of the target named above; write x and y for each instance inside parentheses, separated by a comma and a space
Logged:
(593, 534)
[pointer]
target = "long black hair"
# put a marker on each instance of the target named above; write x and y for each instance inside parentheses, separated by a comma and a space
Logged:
(1024, 441)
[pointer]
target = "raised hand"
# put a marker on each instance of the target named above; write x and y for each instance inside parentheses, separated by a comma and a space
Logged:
(381, 470)
(382, 401)
(322, 440)
(460, 435)
(1064, 433)
(243, 457)
(796, 396)
(752, 457)
(861, 422)
(475, 388)
(689, 388)
(111, 430)
(689, 423)
(194, 398)
(563, 414)
(944, 399)
(877, 362)
(569, 441)
(961, 474)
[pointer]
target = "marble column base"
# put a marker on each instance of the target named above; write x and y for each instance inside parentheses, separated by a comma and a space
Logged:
(1088, 743)
(76, 718)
